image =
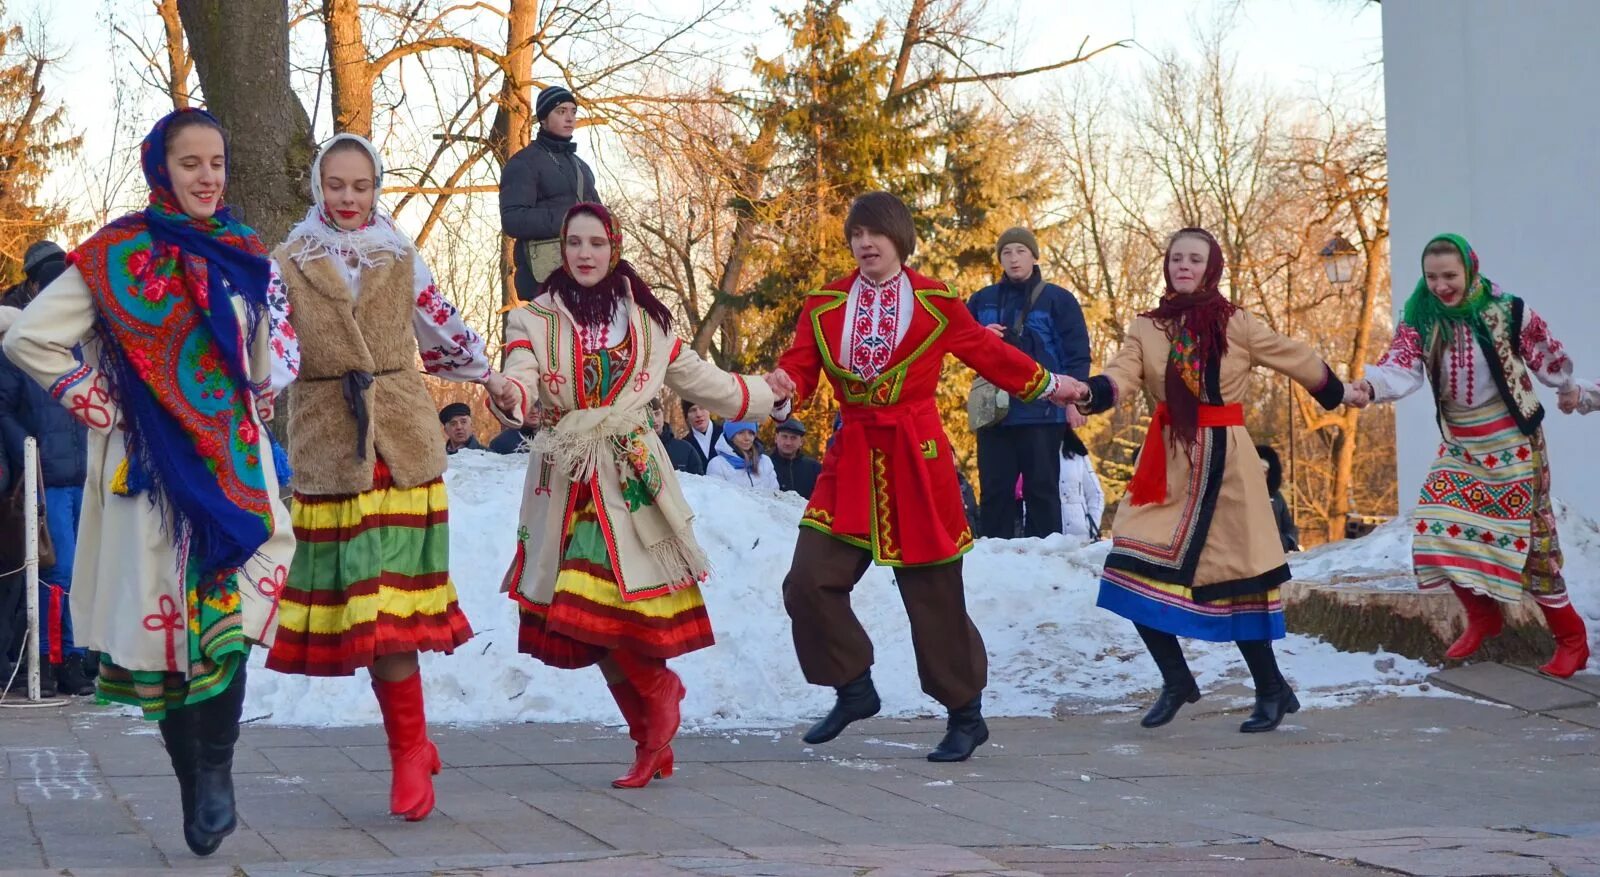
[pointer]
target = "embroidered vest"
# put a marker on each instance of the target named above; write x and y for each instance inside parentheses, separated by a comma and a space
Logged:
(1503, 351)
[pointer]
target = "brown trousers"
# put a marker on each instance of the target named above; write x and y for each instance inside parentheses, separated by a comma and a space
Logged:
(831, 644)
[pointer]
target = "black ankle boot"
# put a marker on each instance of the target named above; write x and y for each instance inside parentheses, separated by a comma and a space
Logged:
(1165, 709)
(857, 700)
(1271, 707)
(71, 678)
(964, 732)
(215, 724)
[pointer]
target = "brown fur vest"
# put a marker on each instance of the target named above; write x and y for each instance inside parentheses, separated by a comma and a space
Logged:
(339, 336)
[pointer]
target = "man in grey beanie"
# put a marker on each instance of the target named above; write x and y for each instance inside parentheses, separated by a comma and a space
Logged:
(1044, 321)
(537, 187)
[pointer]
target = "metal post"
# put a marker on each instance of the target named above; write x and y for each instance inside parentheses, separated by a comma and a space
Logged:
(30, 475)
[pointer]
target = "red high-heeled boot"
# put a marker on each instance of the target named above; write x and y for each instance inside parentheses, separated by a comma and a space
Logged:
(413, 757)
(659, 691)
(1572, 641)
(644, 766)
(1483, 622)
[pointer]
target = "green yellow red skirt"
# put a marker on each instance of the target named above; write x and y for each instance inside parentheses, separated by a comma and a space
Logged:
(588, 617)
(370, 577)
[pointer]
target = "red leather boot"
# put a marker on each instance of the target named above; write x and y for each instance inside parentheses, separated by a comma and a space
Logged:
(413, 756)
(659, 691)
(1572, 641)
(1483, 621)
(632, 707)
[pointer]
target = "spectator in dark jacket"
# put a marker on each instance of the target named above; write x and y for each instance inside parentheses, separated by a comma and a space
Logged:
(511, 440)
(538, 185)
(456, 418)
(1044, 321)
(796, 472)
(680, 452)
(1288, 532)
(27, 409)
(704, 433)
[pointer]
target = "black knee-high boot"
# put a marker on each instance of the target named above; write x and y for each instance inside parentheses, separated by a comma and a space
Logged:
(1177, 683)
(1274, 698)
(178, 737)
(215, 726)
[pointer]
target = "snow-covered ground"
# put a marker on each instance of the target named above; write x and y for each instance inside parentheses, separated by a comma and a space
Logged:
(1033, 600)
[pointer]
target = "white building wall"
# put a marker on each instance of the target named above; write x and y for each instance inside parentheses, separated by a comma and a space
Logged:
(1493, 111)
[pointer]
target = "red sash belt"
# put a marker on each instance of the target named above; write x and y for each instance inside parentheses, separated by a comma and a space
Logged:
(1149, 484)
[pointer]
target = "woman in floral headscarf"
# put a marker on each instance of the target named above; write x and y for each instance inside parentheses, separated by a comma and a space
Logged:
(181, 524)
(370, 584)
(607, 569)
(1196, 552)
(1484, 523)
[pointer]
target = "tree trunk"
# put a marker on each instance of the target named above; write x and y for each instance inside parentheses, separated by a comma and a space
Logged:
(350, 69)
(512, 128)
(242, 55)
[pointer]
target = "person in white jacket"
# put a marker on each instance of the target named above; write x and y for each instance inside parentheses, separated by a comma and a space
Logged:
(1083, 502)
(738, 458)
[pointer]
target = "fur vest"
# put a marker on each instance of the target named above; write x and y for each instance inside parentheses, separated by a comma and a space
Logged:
(357, 354)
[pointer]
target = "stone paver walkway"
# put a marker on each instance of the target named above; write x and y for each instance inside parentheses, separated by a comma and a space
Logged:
(1427, 786)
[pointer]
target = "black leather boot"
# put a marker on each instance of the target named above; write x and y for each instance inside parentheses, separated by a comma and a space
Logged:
(1274, 698)
(178, 739)
(1177, 682)
(215, 723)
(857, 700)
(964, 732)
(71, 679)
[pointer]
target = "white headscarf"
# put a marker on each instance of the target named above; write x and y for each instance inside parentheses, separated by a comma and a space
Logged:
(318, 235)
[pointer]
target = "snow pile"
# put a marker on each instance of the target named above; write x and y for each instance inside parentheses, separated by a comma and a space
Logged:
(1033, 600)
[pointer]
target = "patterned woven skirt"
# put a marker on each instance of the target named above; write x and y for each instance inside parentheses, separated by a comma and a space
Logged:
(588, 617)
(1484, 519)
(1172, 608)
(370, 577)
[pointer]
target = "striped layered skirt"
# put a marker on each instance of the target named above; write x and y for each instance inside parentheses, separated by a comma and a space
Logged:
(587, 615)
(371, 577)
(1484, 519)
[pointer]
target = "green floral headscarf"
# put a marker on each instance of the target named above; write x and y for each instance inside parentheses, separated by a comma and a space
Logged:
(1427, 314)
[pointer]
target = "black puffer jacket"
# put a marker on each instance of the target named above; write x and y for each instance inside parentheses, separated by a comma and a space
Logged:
(539, 184)
(28, 409)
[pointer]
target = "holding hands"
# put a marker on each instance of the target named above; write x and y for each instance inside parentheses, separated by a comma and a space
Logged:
(502, 392)
(1358, 394)
(1568, 397)
(781, 384)
(1068, 391)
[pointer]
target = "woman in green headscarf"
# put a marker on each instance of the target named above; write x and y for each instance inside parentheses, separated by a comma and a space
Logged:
(1483, 523)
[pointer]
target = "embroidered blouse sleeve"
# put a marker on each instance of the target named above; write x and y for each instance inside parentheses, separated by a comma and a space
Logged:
(41, 343)
(450, 349)
(1399, 373)
(284, 344)
(1546, 358)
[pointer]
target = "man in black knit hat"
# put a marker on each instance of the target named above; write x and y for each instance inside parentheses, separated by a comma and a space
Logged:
(538, 185)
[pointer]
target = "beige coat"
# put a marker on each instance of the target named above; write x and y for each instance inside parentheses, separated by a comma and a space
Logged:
(126, 563)
(371, 334)
(1215, 532)
(542, 350)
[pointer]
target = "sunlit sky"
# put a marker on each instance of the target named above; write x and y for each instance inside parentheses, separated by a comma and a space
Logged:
(1303, 47)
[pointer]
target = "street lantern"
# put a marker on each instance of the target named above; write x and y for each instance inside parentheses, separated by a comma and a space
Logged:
(1339, 259)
